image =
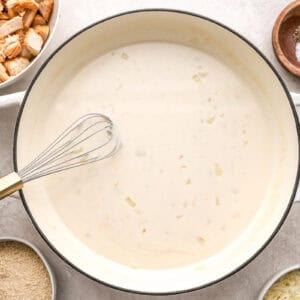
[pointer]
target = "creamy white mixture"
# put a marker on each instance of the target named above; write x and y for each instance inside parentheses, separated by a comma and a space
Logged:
(186, 182)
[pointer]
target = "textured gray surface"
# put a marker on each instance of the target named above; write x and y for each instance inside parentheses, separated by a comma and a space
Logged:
(254, 19)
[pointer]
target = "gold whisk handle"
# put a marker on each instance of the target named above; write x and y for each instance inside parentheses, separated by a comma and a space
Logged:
(10, 184)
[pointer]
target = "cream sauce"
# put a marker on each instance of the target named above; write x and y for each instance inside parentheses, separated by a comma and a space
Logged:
(185, 184)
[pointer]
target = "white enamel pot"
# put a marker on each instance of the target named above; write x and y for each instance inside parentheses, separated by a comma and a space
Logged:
(182, 28)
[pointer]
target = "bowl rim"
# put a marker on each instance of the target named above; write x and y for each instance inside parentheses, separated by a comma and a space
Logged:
(17, 77)
(275, 39)
(40, 255)
(276, 277)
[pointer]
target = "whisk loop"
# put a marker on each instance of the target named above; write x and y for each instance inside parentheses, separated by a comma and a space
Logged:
(91, 138)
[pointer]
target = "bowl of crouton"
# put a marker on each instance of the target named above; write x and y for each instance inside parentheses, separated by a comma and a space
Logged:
(26, 28)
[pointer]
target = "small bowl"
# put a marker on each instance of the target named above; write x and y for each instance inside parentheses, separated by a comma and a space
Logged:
(41, 256)
(53, 25)
(274, 279)
(282, 37)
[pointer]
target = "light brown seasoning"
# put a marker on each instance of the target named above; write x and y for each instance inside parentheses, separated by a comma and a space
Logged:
(124, 56)
(201, 239)
(218, 170)
(198, 77)
(188, 181)
(223, 227)
(234, 191)
(22, 273)
(116, 184)
(130, 202)
(211, 120)
(178, 217)
(236, 215)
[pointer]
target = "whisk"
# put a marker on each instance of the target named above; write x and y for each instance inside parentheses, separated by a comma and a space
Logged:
(91, 138)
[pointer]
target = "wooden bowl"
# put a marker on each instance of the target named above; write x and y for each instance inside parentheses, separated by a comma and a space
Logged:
(283, 42)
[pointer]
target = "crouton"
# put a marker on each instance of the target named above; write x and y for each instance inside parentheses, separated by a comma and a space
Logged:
(45, 8)
(29, 4)
(11, 26)
(42, 30)
(13, 50)
(21, 35)
(4, 16)
(12, 47)
(28, 17)
(25, 53)
(16, 65)
(13, 8)
(10, 4)
(17, 5)
(33, 42)
(11, 13)
(38, 20)
(3, 74)
(2, 55)
(11, 39)
(23, 30)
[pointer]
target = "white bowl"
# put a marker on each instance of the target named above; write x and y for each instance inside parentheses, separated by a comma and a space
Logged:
(274, 278)
(41, 256)
(52, 24)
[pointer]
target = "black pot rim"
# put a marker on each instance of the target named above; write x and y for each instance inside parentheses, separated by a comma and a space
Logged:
(259, 250)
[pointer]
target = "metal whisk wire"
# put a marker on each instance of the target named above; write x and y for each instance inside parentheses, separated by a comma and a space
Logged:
(91, 138)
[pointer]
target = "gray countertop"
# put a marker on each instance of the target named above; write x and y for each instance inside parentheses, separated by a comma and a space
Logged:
(254, 19)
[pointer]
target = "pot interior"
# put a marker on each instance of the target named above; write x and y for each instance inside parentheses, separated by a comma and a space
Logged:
(209, 158)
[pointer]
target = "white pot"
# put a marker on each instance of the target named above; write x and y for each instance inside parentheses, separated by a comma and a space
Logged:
(183, 28)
